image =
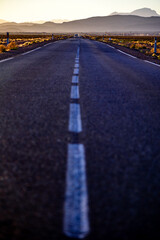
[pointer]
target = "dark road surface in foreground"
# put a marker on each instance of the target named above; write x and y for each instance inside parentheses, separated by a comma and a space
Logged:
(120, 109)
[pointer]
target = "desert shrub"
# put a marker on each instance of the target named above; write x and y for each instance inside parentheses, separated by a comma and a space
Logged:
(147, 52)
(138, 46)
(2, 48)
(12, 46)
(25, 44)
(158, 50)
(152, 50)
(154, 55)
(132, 46)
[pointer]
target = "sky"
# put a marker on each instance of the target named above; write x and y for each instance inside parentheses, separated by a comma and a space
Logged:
(34, 10)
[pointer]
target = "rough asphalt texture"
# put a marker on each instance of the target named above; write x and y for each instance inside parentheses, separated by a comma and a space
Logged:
(120, 105)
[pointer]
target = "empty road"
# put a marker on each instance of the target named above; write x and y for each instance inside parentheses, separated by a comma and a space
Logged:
(79, 144)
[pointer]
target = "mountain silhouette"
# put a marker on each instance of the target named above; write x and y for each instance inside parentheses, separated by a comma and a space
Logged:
(142, 12)
(113, 23)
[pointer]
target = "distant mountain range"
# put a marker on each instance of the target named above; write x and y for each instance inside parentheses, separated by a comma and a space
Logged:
(39, 22)
(54, 20)
(113, 23)
(143, 12)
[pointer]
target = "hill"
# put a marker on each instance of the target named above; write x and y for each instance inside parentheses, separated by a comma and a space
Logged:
(142, 12)
(145, 12)
(115, 23)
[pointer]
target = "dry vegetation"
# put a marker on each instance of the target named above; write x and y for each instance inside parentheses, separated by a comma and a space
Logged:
(143, 44)
(20, 41)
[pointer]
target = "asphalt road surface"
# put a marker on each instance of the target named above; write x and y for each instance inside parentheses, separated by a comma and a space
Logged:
(79, 144)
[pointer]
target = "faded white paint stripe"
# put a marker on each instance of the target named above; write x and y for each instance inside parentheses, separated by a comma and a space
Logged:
(126, 54)
(75, 123)
(30, 51)
(77, 52)
(110, 46)
(75, 92)
(76, 71)
(152, 63)
(47, 44)
(76, 221)
(76, 65)
(5, 60)
(75, 79)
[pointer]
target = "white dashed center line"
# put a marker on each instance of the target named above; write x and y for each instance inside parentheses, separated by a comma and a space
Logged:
(76, 220)
(76, 224)
(76, 65)
(76, 71)
(75, 79)
(74, 92)
(75, 123)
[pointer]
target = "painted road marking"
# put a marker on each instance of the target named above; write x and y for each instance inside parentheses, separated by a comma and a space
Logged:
(152, 63)
(75, 79)
(110, 46)
(47, 44)
(30, 51)
(7, 59)
(75, 92)
(134, 56)
(126, 54)
(76, 65)
(75, 123)
(76, 222)
(77, 52)
(76, 71)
